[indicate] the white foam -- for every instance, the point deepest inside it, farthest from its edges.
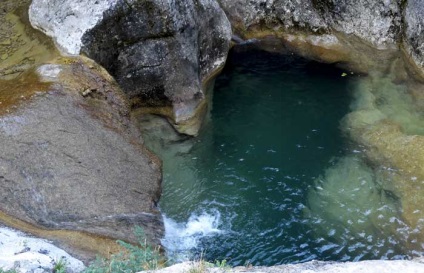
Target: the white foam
(182, 239)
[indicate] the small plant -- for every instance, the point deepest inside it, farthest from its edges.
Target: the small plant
(132, 259)
(60, 266)
(222, 264)
(200, 266)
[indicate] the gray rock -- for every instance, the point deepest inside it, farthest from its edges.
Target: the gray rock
(67, 21)
(161, 52)
(377, 22)
(70, 162)
(414, 31)
(288, 15)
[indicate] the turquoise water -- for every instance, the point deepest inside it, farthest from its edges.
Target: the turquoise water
(250, 188)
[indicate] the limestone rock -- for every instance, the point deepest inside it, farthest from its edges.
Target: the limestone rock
(414, 266)
(287, 15)
(67, 21)
(414, 31)
(77, 163)
(160, 52)
(377, 22)
(23, 254)
(164, 64)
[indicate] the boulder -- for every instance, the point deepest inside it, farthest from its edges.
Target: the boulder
(160, 52)
(413, 39)
(72, 159)
(67, 21)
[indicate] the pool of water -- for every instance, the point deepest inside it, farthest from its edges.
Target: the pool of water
(272, 179)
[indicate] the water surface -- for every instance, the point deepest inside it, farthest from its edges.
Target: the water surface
(272, 179)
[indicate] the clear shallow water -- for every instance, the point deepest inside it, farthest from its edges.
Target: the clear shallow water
(271, 179)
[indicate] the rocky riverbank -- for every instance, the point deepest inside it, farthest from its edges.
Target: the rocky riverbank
(27, 254)
(73, 165)
(415, 266)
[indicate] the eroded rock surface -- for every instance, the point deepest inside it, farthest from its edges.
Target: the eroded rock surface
(377, 22)
(380, 24)
(160, 52)
(72, 159)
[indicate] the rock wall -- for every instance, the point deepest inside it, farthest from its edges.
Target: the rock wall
(380, 24)
(160, 52)
(377, 22)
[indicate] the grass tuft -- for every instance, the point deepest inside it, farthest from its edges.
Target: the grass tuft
(134, 258)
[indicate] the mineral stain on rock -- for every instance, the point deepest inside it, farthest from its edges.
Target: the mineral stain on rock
(21, 49)
(19, 90)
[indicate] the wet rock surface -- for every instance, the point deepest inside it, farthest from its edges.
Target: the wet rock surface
(20, 46)
(387, 122)
(72, 159)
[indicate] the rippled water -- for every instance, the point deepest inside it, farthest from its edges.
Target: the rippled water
(271, 179)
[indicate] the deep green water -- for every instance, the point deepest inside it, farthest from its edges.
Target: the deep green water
(249, 188)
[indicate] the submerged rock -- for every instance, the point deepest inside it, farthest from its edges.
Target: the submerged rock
(76, 163)
(160, 52)
(388, 123)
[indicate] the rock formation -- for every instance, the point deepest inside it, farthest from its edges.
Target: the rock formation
(379, 24)
(72, 160)
(160, 52)
(413, 39)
